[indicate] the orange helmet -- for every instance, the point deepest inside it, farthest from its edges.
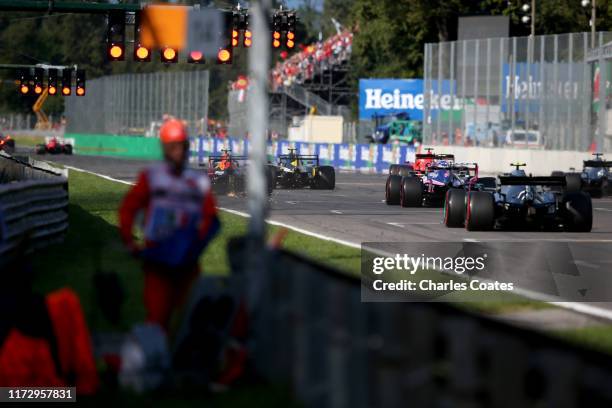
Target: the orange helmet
(173, 131)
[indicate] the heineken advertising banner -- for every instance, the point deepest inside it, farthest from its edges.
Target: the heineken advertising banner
(385, 97)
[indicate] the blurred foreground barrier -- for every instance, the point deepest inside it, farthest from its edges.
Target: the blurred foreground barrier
(33, 205)
(313, 331)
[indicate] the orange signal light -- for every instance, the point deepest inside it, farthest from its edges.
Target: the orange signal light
(290, 35)
(248, 42)
(248, 34)
(24, 89)
(52, 90)
(142, 52)
(115, 51)
(37, 89)
(276, 35)
(234, 42)
(276, 43)
(223, 55)
(169, 53)
(66, 91)
(235, 33)
(80, 91)
(290, 44)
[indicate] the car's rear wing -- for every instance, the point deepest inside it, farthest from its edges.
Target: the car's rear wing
(597, 163)
(306, 157)
(424, 156)
(218, 158)
(445, 157)
(532, 181)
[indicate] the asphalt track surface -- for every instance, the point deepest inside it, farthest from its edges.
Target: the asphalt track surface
(355, 212)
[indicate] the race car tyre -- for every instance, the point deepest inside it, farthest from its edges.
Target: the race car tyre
(603, 190)
(392, 190)
(405, 171)
(270, 178)
(573, 183)
(394, 169)
(325, 178)
(238, 184)
(557, 173)
(488, 183)
(454, 208)
(480, 211)
(578, 212)
(68, 149)
(411, 192)
(41, 149)
(8, 149)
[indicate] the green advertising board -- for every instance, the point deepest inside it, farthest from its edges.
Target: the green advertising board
(117, 146)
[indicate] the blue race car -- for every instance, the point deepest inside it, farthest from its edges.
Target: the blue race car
(596, 177)
(521, 202)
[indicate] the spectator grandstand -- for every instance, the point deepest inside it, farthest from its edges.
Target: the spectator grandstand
(312, 59)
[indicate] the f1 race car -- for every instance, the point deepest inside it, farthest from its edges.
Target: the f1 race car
(228, 172)
(421, 161)
(520, 201)
(7, 144)
(54, 146)
(431, 187)
(595, 177)
(299, 171)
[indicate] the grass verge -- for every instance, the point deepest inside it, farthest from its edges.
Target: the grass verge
(598, 338)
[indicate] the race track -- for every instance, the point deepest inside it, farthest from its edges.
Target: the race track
(355, 212)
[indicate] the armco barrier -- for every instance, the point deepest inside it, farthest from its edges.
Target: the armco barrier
(313, 332)
(33, 205)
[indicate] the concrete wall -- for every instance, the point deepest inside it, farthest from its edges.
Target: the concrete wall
(318, 129)
(497, 160)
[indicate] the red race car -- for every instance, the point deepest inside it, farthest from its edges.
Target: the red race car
(54, 146)
(420, 164)
(7, 144)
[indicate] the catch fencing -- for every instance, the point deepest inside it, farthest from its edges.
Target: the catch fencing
(313, 331)
(33, 206)
(136, 104)
(529, 92)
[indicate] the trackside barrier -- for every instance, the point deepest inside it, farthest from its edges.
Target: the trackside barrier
(372, 158)
(312, 330)
(33, 205)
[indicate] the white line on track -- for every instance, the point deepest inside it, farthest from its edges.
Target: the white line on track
(337, 211)
(100, 175)
(577, 307)
(405, 224)
(602, 209)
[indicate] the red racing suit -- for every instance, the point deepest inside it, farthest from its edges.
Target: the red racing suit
(180, 218)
